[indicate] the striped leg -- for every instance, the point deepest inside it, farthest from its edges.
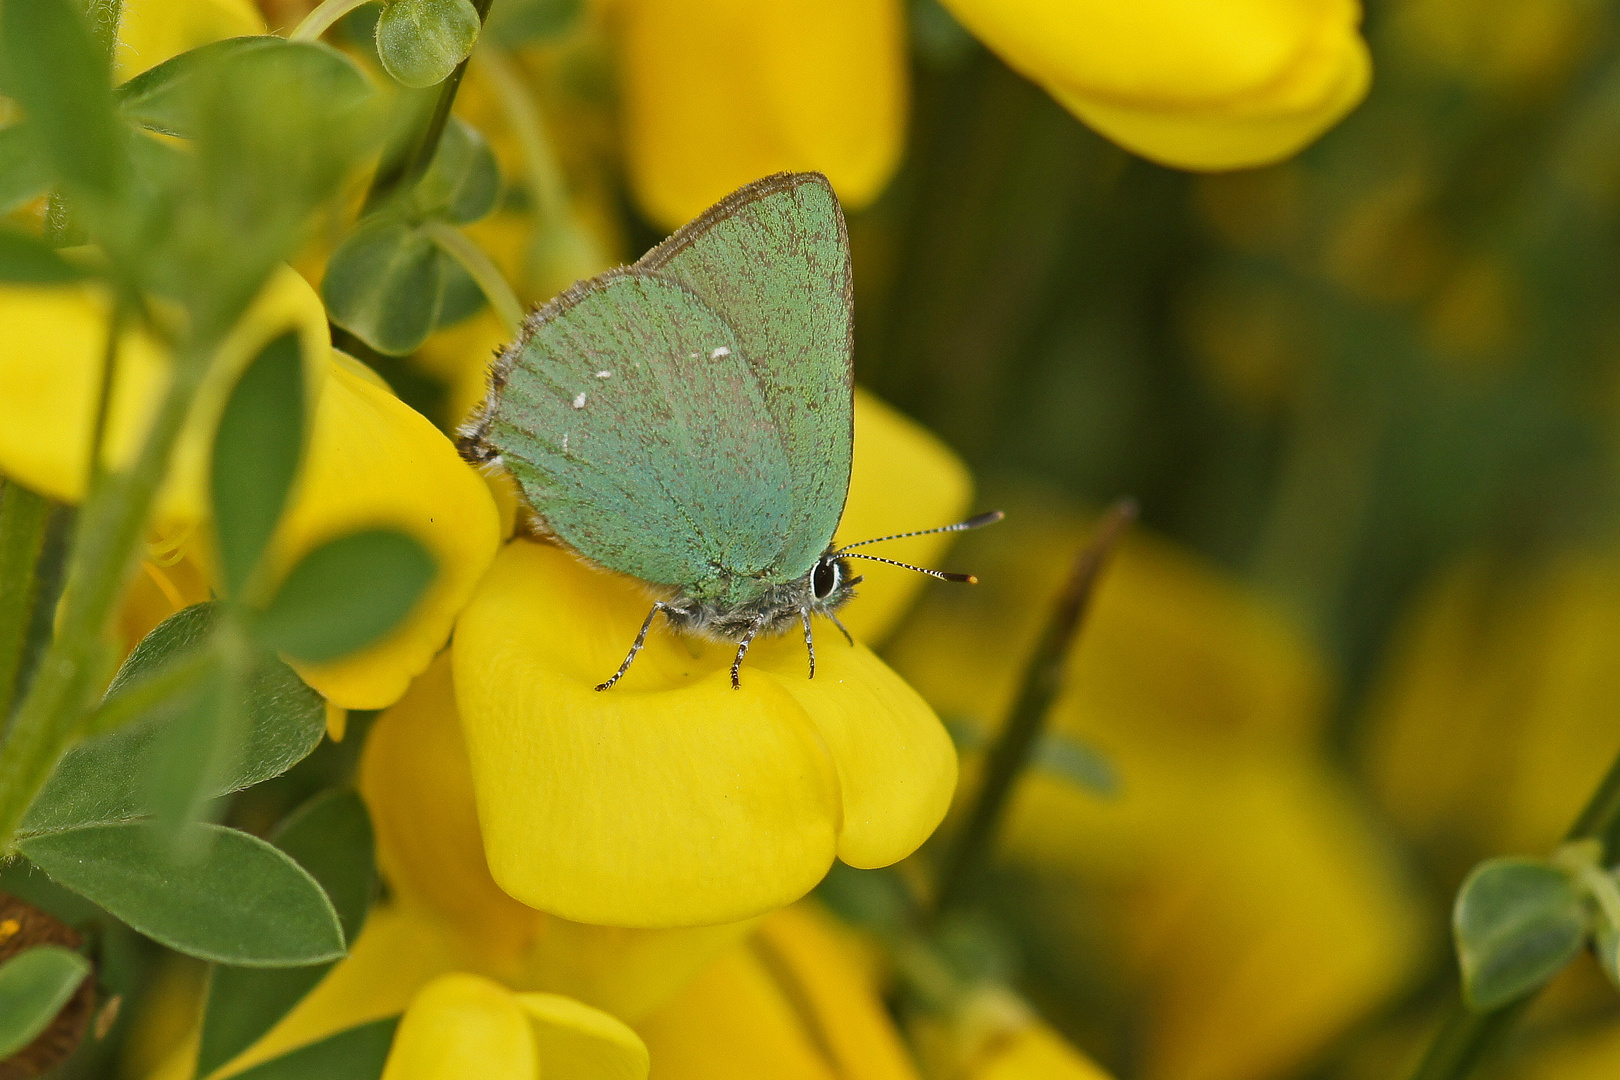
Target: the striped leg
(742, 648)
(809, 642)
(641, 639)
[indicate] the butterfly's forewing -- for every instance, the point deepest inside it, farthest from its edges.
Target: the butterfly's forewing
(773, 260)
(640, 434)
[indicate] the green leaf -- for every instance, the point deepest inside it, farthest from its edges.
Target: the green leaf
(24, 172)
(99, 781)
(277, 127)
(1517, 923)
(463, 182)
(240, 902)
(165, 98)
(346, 594)
(256, 454)
(330, 836)
(60, 77)
(25, 260)
(34, 985)
(514, 23)
(384, 284)
(358, 1053)
(420, 42)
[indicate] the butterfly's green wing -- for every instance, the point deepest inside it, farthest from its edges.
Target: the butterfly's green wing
(639, 432)
(773, 260)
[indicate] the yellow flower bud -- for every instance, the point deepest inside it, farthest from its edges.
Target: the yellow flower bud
(721, 92)
(1197, 84)
(674, 799)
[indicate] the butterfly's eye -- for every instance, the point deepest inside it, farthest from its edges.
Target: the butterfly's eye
(825, 579)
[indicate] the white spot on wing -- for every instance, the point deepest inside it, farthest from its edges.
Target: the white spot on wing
(579, 400)
(565, 444)
(604, 374)
(718, 353)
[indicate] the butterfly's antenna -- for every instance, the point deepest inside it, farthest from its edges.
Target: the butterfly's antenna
(943, 575)
(962, 526)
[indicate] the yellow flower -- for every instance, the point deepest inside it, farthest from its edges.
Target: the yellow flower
(721, 92)
(462, 1025)
(674, 799)
(1250, 904)
(1198, 84)
(794, 1002)
(151, 31)
(418, 785)
(369, 461)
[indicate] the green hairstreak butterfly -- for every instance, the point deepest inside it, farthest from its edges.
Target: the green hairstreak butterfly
(688, 420)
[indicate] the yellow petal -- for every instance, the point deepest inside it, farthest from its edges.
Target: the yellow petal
(52, 351)
(671, 800)
(416, 781)
(151, 31)
(791, 1004)
(577, 1040)
(722, 92)
(902, 479)
(459, 1026)
(1189, 83)
(374, 462)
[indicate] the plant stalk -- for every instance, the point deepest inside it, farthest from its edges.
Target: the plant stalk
(23, 519)
(1013, 748)
(1466, 1037)
(106, 541)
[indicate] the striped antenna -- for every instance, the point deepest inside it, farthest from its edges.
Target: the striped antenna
(962, 526)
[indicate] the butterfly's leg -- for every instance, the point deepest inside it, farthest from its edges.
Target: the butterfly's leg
(809, 642)
(742, 648)
(641, 639)
(841, 626)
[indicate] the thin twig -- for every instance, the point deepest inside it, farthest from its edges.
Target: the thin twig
(1011, 752)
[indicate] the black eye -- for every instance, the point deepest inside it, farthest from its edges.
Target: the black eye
(825, 579)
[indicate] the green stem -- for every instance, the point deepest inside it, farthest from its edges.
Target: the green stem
(483, 270)
(1013, 748)
(105, 546)
(402, 170)
(23, 517)
(321, 19)
(1465, 1037)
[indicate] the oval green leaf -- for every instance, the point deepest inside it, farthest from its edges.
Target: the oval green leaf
(384, 285)
(256, 452)
(346, 594)
(420, 42)
(463, 181)
(241, 901)
(330, 836)
(358, 1053)
(24, 172)
(1517, 923)
(99, 781)
(34, 985)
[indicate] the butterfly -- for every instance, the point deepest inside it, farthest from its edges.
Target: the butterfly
(689, 420)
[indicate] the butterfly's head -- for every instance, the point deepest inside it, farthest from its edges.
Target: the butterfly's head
(831, 582)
